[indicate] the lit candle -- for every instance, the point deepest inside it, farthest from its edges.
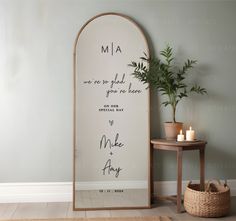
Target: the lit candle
(190, 134)
(180, 136)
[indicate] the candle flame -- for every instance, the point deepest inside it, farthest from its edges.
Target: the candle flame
(190, 128)
(181, 132)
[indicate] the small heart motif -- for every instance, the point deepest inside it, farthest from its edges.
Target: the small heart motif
(111, 122)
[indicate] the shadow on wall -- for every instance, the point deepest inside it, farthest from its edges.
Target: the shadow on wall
(209, 117)
(219, 165)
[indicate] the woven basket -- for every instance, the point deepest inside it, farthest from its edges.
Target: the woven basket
(213, 202)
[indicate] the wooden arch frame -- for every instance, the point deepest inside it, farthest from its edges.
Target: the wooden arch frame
(75, 117)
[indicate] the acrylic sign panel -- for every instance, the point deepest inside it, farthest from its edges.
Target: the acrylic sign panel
(111, 137)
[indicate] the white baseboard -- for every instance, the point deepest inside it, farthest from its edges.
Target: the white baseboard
(62, 191)
(35, 192)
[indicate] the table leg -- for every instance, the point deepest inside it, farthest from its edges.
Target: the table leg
(202, 169)
(179, 180)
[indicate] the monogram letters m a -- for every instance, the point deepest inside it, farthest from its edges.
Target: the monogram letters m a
(111, 49)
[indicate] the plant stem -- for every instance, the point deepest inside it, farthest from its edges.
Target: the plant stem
(174, 110)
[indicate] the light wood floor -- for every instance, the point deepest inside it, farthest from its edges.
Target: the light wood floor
(63, 210)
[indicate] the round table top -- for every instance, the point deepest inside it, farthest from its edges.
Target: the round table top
(178, 143)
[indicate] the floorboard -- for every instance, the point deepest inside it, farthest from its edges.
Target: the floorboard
(13, 211)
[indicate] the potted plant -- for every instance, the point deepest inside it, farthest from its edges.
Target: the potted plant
(168, 79)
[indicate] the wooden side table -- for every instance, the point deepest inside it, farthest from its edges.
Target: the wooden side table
(179, 147)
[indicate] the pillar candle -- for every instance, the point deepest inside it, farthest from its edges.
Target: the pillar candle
(190, 134)
(180, 136)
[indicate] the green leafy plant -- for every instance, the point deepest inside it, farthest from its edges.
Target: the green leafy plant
(166, 77)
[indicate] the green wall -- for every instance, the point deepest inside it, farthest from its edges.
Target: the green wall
(203, 31)
(36, 44)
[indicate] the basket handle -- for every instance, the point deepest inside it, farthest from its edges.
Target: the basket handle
(225, 184)
(189, 182)
(210, 182)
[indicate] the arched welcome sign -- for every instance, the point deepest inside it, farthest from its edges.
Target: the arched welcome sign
(111, 116)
